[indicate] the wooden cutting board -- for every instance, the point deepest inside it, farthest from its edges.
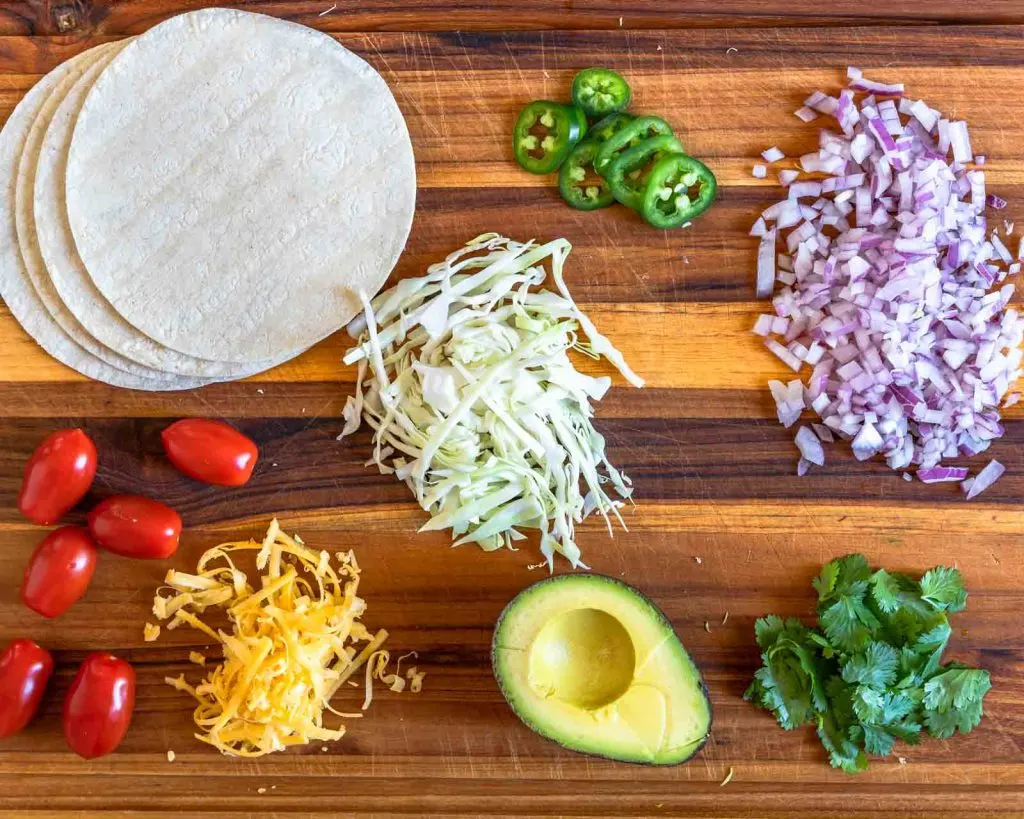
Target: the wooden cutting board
(722, 526)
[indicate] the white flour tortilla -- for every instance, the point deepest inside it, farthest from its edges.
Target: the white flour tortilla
(28, 241)
(15, 286)
(234, 180)
(64, 267)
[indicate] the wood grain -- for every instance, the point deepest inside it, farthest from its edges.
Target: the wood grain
(722, 524)
(78, 16)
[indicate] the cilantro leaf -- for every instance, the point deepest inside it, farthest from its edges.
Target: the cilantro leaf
(874, 667)
(848, 623)
(868, 704)
(840, 577)
(895, 706)
(835, 729)
(956, 687)
(943, 587)
(965, 719)
(885, 588)
(877, 741)
(906, 731)
(883, 718)
(881, 708)
(937, 637)
(824, 646)
(767, 630)
(788, 683)
(842, 752)
(931, 644)
(953, 699)
(872, 672)
(777, 689)
(825, 583)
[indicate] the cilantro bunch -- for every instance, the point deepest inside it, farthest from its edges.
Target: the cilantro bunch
(872, 673)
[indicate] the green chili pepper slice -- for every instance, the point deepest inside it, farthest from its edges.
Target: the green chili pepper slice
(600, 91)
(680, 188)
(581, 119)
(631, 134)
(545, 134)
(578, 182)
(628, 175)
(605, 129)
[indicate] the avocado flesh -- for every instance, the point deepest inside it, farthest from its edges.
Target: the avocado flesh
(592, 664)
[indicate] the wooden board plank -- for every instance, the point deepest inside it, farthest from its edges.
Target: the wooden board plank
(508, 15)
(714, 472)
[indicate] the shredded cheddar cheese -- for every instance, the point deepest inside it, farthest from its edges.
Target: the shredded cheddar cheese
(292, 643)
(415, 678)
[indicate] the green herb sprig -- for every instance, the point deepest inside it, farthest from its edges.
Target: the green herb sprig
(872, 672)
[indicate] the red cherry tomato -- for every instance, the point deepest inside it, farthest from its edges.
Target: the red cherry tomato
(134, 526)
(25, 669)
(57, 476)
(210, 451)
(59, 571)
(98, 708)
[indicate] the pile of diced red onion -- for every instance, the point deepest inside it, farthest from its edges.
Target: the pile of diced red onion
(886, 276)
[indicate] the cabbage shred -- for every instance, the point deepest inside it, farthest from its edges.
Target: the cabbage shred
(464, 376)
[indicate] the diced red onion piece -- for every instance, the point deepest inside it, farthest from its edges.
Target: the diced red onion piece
(809, 445)
(960, 142)
(943, 128)
(766, 265)
(925, 115)
(942, 474)
(992, 472)
(773, 154)
(784, 355)
(911, 353)
(1001, 249)
(805, 114)
(789, 401)
(823, 432)
(881, 88)
(759, 171)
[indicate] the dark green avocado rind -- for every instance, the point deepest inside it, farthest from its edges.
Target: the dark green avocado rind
(688, 751)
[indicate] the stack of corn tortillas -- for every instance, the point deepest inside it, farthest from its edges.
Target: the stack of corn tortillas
(201, 202)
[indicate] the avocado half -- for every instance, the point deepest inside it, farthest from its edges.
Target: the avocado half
(591, 663)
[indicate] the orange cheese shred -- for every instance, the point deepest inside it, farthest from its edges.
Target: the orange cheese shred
(292, 643)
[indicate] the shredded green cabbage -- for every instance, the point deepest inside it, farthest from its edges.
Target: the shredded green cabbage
(465, 379)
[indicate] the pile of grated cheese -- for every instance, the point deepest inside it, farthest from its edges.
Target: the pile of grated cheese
(292, 643)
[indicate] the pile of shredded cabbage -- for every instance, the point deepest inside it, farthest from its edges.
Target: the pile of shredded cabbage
(465, 377)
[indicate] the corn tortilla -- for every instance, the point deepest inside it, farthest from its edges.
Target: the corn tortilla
(16, 287)
(64, 267)
(235, 180)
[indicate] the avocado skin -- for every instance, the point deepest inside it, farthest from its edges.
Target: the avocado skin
(658, 615)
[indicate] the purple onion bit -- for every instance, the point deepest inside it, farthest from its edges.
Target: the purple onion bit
(880, 277)
(942, 474)
(992, 472)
